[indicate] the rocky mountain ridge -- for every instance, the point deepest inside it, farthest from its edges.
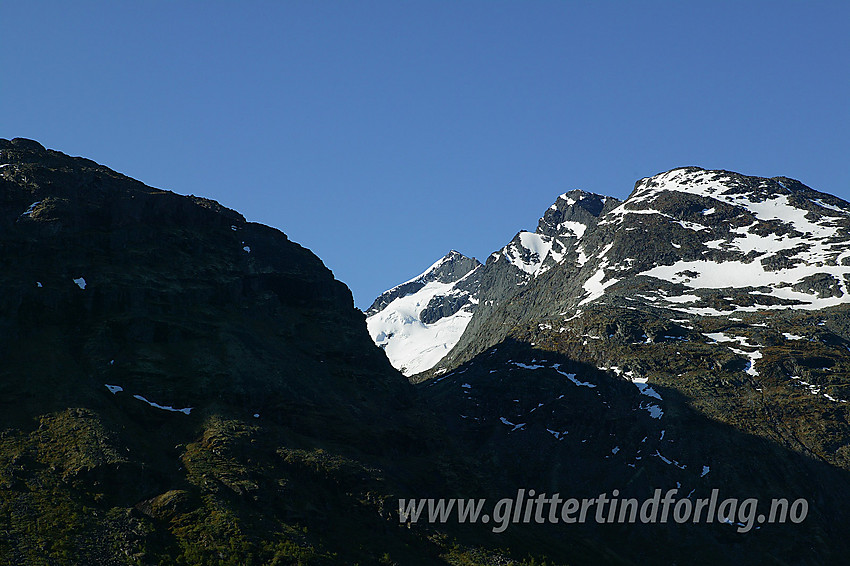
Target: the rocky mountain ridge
(712, 241)
(696, 335)
(404, 333)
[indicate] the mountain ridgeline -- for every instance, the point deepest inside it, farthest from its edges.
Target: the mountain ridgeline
(403, 320)
(709, 242)
(693, 336)
(182, 386)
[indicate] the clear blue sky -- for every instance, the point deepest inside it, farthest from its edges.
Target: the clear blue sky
(383, 134)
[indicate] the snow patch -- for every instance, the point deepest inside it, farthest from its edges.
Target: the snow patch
(576, 228)
(30, 209)
(572, 377)
(527, 366)
(669, 461)
(185, 411)
(509, 423)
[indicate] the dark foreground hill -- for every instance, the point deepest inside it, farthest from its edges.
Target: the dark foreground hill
(182, 386)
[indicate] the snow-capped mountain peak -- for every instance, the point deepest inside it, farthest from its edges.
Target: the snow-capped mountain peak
(572, 213)
(777, 242)
(419, 321)
(448, 269)
(694, 242)
(557, 236)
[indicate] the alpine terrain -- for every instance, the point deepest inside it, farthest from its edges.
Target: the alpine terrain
(695, 336)
(182, 386)
(419, 321)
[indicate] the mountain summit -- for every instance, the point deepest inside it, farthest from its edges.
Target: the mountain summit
(417, 322)
(689, 240)
(430, 321)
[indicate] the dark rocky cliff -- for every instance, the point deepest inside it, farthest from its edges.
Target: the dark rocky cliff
(182, 386)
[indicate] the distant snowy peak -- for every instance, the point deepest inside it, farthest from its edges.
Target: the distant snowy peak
(421, 320)
(721, 238)
(418, 322)
(573, 212)
(739, 190)
(448, 269)
(690, 241)
(557, 236)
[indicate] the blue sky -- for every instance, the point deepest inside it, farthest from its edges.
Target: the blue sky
(383, 134)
